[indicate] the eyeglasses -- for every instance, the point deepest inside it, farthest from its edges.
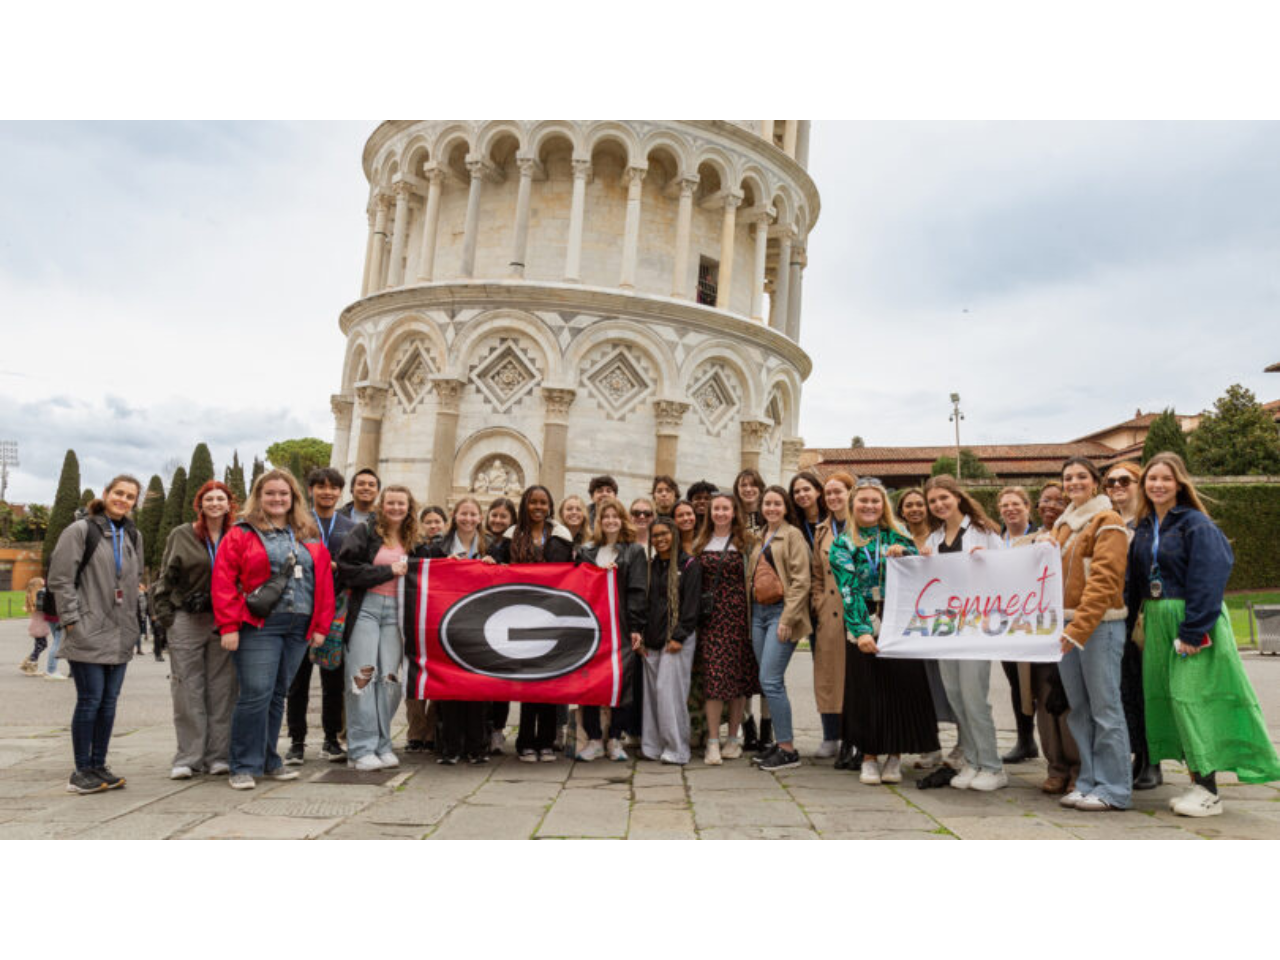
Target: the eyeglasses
(641, 514)
(1124, 481)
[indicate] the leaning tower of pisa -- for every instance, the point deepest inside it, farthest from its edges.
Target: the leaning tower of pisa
(547, 300)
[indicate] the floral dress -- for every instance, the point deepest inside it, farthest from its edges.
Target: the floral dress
(887, 705)
(728, 664)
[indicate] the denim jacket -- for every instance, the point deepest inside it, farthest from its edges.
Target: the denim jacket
(1195, 563)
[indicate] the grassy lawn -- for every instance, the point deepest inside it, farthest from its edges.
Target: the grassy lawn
(11, 604)
(1240, 616)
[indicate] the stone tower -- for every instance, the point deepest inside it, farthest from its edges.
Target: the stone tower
(547, 300)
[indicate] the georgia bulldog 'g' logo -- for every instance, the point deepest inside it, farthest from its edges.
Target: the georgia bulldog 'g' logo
(520, 632)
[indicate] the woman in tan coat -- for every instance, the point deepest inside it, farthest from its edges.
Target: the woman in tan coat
(828, 618)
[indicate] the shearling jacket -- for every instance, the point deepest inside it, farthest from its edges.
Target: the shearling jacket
(1095, 551)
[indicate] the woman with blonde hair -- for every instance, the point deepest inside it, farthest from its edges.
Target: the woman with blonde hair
(272, 596)
(372, 560)
(1200, 707)
(573, 516)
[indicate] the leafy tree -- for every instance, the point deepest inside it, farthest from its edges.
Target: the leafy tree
(150, 516)
(6, 521)
(198, 474)
(1165, 435)
(1238, 438)
(172, 514)
(259, 468)
(31, 527)
(971, 467)
(65, 502)
(234, 478)
(308, 451)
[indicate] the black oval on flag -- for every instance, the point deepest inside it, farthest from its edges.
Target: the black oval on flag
(520, 631)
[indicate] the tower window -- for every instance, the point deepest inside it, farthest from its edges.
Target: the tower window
(708, 277)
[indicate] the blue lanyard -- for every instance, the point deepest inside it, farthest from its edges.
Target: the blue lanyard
(1155, 547)
(874, 562)
(211, 548)
(837, 527)
(325, 534)
(117, 545)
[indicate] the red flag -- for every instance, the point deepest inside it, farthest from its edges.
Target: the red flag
(532, 633)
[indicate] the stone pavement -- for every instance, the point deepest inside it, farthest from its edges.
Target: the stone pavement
(506, 799)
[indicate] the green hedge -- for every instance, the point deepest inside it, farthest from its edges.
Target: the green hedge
(1248, 513)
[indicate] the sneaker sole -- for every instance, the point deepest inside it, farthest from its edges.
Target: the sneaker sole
(82, 792)
(1197, 814)
(781, 766)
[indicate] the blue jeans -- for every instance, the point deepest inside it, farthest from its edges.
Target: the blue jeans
(55, 641)
(97, 690)
(266, 661)
(773, 658)
(1091, 678)
(375, 643)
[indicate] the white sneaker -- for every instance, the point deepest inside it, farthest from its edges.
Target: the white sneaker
(669, 757)
(988, 780)
(594, 750)
(712, 756)
(283, 773)
(219, 767)
(827, 749)
(365, 763)
(56, 676)
(870, 772)
(547, 756)
(964, 779)
(891, 770)
(1198, 802)
(616, 751)
(241, 781)
(732, 749)
(1095, 803)
(528, 756)
(181, 773)
(389, 760)
(1071, 799)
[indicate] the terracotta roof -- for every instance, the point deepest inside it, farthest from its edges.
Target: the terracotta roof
(1141, 420)
(996, 452)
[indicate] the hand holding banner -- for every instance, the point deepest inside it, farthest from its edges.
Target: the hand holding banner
(987, 605)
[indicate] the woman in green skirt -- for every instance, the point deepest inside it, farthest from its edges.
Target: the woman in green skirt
(1199, 704)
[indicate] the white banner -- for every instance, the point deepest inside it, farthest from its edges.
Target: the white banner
(988, 605)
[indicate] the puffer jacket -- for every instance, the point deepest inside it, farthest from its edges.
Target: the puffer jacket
(100, 629)
(1095, 552)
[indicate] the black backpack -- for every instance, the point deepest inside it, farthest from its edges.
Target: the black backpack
(92, 537)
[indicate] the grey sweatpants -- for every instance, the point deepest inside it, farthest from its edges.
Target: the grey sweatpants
(967, 683)
(202, 681)
(666, 703)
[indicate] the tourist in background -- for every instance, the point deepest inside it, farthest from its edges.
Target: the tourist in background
(778, 572)
(44, 631)
(1200, 708)
(202, 675)
(274, 546)
(887, 709)
(828, 619)
(962, 526)
(1094, 548)
(1014, 504)
(364, 493)
(93, 575)
(143, 607)
(668, 644)
(613, 546)
(724, 656)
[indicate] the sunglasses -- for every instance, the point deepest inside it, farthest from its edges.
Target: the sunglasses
(641, 514)
(1124, 481)
(869, 482)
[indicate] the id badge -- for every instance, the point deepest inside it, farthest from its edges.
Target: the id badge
(1157, 588)
(119, 597)
(875, 594)
(297, 572)
(875, 625)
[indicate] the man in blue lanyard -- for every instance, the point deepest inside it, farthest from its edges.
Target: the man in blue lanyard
(325, 487)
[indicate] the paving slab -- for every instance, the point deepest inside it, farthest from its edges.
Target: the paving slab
(827, 821)
(661, 822)
(144, 826)
(246, 826)
(363, 830)
(672, 794)
(407, 809)
(41, 831)
(467, 822)
(1003, 828)
(579, 813)
(939, 833)
(710, 814)
(757, 833)
(516, 793)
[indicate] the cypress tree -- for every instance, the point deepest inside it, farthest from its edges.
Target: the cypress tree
(234, 478)
(259, 468)
(87, 496)
(150, 513)
(65, 502)
(1165, 434)
(198, 474)
(172, 515)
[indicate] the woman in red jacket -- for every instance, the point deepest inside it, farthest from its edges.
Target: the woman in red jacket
(274, 545)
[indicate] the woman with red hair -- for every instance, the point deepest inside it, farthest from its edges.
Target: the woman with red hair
(202, 675)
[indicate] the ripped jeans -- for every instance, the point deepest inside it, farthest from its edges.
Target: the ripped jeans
(374, 682)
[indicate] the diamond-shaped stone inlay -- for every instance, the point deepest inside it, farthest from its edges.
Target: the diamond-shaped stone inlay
(412, 378)
(714, 398)
(505, 376)
(618, 383)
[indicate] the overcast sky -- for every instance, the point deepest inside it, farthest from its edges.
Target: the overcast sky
(163, 283)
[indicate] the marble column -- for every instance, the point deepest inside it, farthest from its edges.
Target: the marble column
(789, 136)
(399, 231)
(793, 292)
(444, 440)
(520, 236)
(802, 144)
(782, 278)
(791, 449)
(669, 414)
(766, 130)
(634, 179)
(753, 435)
(342, 407)
(555, 438)
(480, 170)
(368, 256)
(577, 211)
(372, 398)
(762, 220)
(728, 228)
(383, 205)
(430, 221)
(681, 284)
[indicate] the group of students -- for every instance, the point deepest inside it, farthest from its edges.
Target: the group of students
(717, 591)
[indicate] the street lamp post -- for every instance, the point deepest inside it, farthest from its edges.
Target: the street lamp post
(956, 417)
(8, 458)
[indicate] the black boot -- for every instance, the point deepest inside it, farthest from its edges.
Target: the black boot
(1025, 748)
(845, 757)
(750, 739)
(766, 734)
(1146, 775)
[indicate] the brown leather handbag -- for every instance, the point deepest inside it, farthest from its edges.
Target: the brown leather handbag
(766, 585)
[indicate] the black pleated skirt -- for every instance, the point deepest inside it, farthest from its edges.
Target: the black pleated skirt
(887, 705)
